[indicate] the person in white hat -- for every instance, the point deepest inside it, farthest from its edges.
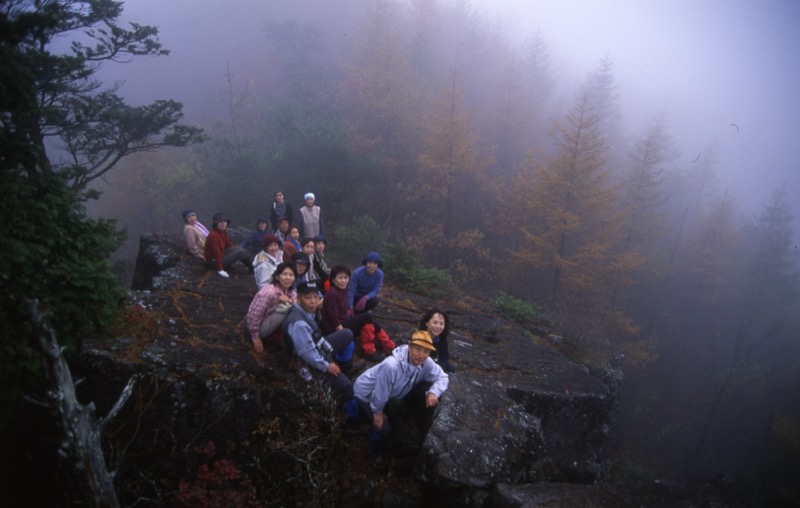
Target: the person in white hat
(311, 218)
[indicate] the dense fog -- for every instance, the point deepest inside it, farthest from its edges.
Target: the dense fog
(629, 167)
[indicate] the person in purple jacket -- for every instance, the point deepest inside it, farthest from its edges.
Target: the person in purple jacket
(335, 312)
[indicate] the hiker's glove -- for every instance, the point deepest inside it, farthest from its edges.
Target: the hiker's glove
(223, 273)
(360, 304)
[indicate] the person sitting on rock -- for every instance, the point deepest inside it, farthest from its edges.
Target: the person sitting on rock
(320, 263)
(307, 248)
(220, 253)
(366, 283)
(266, 261)
(375, 342)
(270, 305)
(254, 242)
(194, 233)
(301, 264)
(283, 229)
(407, 380)
(291, 243)
(437, 323)
(335, 314)
(328, 357)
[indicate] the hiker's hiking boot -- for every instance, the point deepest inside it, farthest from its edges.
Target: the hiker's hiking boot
(304, 374)
(352, 366)
(356, 365)
(380, 463)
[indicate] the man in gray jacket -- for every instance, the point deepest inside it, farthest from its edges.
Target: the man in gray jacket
(387, 384)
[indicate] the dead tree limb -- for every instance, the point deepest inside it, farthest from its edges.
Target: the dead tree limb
(80, 439)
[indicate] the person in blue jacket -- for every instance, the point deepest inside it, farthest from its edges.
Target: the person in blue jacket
(329, 357)
(254, 243)
(366, 283)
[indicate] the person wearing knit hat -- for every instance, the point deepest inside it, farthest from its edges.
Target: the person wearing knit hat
(408, 380)
(366, 284)
(311, 217)
(302, 266)
(194, 233)
(220, 253)
(266, 261)
(253, 244)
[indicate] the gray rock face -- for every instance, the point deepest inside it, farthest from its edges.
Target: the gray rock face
(520, 413)
(516, 411)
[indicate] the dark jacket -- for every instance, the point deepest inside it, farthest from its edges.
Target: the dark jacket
(274, 216)
(334, 309)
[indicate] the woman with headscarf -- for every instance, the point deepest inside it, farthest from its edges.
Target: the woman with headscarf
(311, 217)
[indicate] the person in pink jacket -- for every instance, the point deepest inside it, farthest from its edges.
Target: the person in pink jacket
(271, 304)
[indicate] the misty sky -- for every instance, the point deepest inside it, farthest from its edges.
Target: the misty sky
(708, 64)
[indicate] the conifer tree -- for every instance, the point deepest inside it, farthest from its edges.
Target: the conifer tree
(70, 111)
(450, 170)
(383, 103)
(565, 210)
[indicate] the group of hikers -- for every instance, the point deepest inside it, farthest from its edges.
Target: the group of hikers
(315, 312)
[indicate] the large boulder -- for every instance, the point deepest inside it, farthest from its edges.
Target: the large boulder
(516, 411)
(519, 412)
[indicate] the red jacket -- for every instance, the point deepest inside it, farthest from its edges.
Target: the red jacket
(217, 243)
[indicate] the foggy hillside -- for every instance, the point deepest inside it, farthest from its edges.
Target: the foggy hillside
(442, 132)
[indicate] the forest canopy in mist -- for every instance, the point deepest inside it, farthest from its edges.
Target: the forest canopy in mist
(423, 127)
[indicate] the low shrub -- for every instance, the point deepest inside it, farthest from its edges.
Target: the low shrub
(354, 240)
(515, 309)
(403, 265)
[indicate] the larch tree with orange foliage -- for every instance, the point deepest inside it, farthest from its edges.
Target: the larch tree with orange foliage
(450, 172)
(567, 223)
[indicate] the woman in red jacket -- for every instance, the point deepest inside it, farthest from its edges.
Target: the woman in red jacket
(220, 253)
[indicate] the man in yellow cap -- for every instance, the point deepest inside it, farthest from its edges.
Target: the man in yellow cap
(382, 391)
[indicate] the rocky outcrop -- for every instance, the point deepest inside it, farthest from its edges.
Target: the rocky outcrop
(521, 413)
(517, 411)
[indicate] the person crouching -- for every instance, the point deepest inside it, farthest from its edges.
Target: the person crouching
(384, 391)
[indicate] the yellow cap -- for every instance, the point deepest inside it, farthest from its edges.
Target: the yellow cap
(423, 338)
